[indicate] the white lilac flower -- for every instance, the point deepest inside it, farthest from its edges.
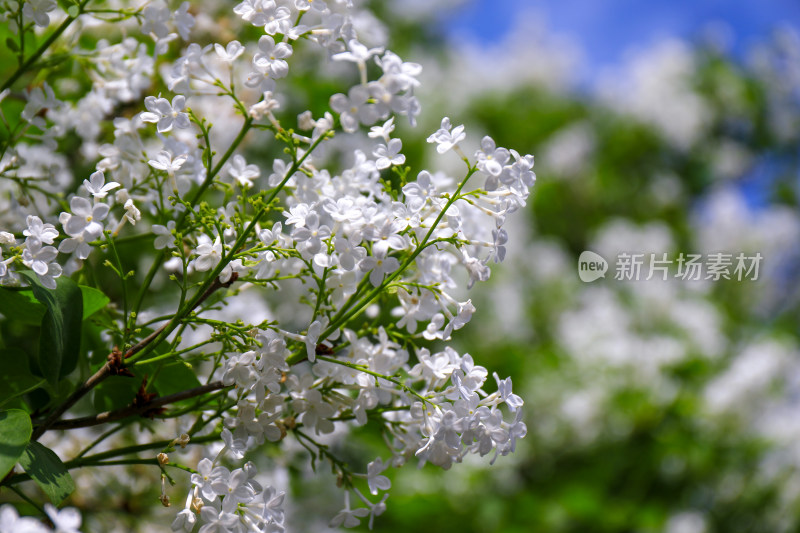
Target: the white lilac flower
(310, 237)
(78, 245)
(39, 98)
(296, 216)
(42, 261)
(311, 339)
(418, 192)
(386, 237)
(491, 159)
(268, 104)
(11, 522)
(207, 473)
(4, 265)
(354, 108)
(376, 509)
(358, 53)
(164, 237)
(184, 521)
(473, 375)
(499, 239)
(230, 52)
(316, 411)
(513, 401)
(404, 217)
(96, 185)
(154, 19)
(271, 58)
(164, 114)
(405, 73)
(233, 444)
(316, 5)
(265, 13)
(165, 161)
(208, 254)
(132, 213)
(85, 218)
(375, 481)
(416, 306)
(37, 11)
(348, 517)
(243, 173)
(445, 138)
(272, 505)
(184, 21)
(383, 131)
(216, 521)
(278, 18)
(350, 253)
(252, 11)
(240, 369)
(389, 155)
(477, 269)
(45, 233)
(463, 316)
(234, 488)
(388, 98)
(342, 209)
(378, 265)
(66, 520)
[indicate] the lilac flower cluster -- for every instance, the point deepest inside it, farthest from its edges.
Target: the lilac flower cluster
(347, 239)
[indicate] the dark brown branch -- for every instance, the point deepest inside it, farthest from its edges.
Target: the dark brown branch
(137, 408)
(116, 366)
(89, 384)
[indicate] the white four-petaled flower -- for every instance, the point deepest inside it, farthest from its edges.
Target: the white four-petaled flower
(166, 115)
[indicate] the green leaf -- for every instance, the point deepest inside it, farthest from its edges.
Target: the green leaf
(60, 340)
(16, 378)
(12, 44)
(93, 300)
(21, 306)
(169, 377)
(47, 470)
(174, 377)
(15, 432)
(115, 392)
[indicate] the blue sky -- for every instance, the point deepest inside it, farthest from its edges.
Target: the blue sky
(605, 29)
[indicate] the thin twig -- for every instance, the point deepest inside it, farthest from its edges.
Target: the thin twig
(115, 364)
(136, 409)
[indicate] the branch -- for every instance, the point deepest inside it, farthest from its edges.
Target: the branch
(43, 48)
(116, 363)
(97, 459)
(136, 408)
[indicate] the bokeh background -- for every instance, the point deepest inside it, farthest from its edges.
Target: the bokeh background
(658, 127)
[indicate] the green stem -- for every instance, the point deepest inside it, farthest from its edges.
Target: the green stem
(345, 315)
(98, 458)
(366, 370)
(30, 501)
(153, 461)
(228, 257)
(100, 439)
(248, 124)
(43, 48)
